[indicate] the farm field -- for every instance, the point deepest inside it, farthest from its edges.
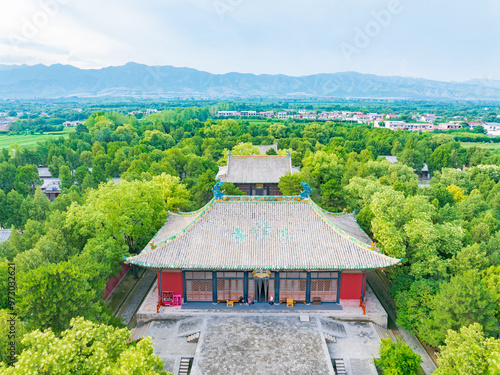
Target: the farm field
(30, 140)
(490, 146)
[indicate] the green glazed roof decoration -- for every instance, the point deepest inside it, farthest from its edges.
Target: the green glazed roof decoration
(218, 194)
(261, 229)
(285, 236)
(238, 236)
(306, 194)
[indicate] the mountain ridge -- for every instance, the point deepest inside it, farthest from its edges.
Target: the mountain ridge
(144, 81)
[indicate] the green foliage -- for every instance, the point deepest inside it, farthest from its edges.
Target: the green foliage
(290, 183)
(413, 304)
(468, 352)
(27, 179)
(333, 196)
(462, 301)
(50, 296)
(229, 189)
(12, 330)
(86, 348)
(129, 212)
(441, 231)
(397, 358)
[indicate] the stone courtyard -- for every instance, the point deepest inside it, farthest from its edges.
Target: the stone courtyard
(259, 344)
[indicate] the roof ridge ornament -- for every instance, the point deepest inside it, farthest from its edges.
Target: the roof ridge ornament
(306, 194)
(218, 194)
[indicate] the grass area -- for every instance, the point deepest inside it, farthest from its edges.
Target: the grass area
(490, 146)
(30, 140)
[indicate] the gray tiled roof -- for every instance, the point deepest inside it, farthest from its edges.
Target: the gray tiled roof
(349, 225)
(255, 168)
(249, 232)
(394, 159)
(44, 172)
(4, 234)
(264, 148)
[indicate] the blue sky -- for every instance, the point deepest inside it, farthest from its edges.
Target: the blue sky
(437, 39)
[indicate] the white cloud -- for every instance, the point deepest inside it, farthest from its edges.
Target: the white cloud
(450, 40)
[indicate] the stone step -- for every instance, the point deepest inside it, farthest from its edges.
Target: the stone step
(184, 367)
(329, 338)
(340, 367)
(193, 337)
(384, 333)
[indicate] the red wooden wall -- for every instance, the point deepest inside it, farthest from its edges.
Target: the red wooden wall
(113, 282)
(170, 281)
(351, 285)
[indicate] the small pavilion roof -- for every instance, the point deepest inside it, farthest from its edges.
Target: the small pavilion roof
(256, 232)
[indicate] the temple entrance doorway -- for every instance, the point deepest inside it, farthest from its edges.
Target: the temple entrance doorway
(261, 290)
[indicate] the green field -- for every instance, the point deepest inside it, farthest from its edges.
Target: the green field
(490, 146)
(30, 140)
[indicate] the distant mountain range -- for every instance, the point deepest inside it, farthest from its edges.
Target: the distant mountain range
(143, 81)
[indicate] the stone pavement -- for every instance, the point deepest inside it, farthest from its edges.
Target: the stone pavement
(356, 343)
(261, 345)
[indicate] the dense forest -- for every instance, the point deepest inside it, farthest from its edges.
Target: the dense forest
(447, 233)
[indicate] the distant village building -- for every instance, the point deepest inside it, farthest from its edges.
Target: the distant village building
(267, 114)
(492, 128)
(248, 113)
(428, 117)
(256, 174)
(401, 125)
(261, 249)
(227, 113)
(448, 126)
(73, 123)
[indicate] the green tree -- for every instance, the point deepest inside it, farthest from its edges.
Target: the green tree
(462, 301)
(86, 158)
(129, 212)
(66, 177)
(202, 191)
(412, 158)
(413, 304)
(8, 320)
(88, 183)
(7, 176)
(50, 296)
(86, 348)
(245, 149)
(290, 183)
(229, 189)
(397, 358)
(332, 196)
(27, 179)
(80, 173)
(468, 352)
